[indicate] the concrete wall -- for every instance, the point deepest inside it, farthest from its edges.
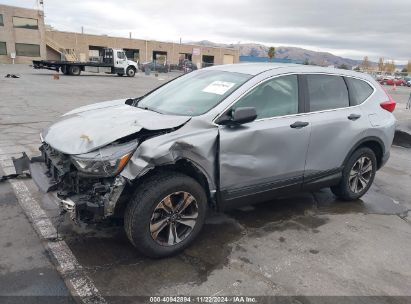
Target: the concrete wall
(12, 35)
(81, 42)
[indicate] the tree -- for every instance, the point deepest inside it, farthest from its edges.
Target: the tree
(404, 70)
(381, 65)
(409, 66)
(343, 66)
(390, 67)
(365, 65)
(271, 53)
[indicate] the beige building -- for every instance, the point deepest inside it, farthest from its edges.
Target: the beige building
(23, 36)
(86, 47)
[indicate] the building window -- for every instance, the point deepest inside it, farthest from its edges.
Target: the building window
(3, 49)
(29, 50)
(1, 20)
(27, 23)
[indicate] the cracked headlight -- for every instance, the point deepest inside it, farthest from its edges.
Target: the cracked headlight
(107, 161)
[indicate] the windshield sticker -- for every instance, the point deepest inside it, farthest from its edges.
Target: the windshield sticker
(218, 87)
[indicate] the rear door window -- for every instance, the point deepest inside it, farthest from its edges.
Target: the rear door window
(359, 90)
(327, 92)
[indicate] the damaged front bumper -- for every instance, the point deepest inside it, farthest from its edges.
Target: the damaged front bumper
(84, 197)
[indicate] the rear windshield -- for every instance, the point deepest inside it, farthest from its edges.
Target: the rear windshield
(193, 94)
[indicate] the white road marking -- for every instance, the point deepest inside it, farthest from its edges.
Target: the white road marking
(77, 281)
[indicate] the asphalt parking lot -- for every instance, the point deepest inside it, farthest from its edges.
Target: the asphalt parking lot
(306, 245)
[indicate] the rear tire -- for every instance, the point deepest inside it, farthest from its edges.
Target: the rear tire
(65, 70)
(74, 70)
(357, 176)
(131, 72)
(153, 221)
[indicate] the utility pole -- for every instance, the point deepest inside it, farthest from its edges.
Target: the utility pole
(40, 5)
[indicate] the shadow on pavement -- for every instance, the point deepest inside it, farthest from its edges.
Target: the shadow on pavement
(107, 255)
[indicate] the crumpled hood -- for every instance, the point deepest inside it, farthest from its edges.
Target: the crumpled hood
(90, 127)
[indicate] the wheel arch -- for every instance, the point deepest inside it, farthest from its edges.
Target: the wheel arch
(131, 67)
(372, 142)
(184, 166)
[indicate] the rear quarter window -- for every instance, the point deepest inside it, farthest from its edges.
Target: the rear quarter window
(359, 90)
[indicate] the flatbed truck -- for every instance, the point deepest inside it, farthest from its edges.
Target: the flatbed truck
(112, 61)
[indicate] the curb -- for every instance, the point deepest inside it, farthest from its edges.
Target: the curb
(402, 139)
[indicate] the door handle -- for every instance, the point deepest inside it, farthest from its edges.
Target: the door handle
(299, 124)
(354, 116)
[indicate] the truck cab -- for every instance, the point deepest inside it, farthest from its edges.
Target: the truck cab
(121, 65)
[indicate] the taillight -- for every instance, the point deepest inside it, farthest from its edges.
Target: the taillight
(388, 105)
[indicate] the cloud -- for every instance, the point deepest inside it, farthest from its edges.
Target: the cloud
(349, 28)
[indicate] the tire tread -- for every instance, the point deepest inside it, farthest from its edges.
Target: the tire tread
(146, 192)
(341, 190)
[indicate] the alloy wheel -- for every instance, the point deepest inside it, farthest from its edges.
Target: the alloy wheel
(360, 174)
(174, 218)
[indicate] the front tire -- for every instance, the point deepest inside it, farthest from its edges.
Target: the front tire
(357, 176)
(166, 214)
(131, 72)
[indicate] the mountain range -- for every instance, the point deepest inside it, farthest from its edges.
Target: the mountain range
(294, 53)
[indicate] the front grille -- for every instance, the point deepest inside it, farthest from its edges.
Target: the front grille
(57, 163)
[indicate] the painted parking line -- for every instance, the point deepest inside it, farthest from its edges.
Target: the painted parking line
(79, 284)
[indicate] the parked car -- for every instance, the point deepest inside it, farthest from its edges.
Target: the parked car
(392, 81)
(409, 83)
(187, 66)
(155, 67)
(216, 138)
(379, 77)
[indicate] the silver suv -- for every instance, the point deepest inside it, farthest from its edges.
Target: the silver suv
(216, 138)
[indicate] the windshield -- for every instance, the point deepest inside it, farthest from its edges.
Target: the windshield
(193, 94)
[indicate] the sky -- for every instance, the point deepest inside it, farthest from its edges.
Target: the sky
(348, 28)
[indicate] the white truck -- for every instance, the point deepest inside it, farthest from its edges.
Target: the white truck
(112, 61)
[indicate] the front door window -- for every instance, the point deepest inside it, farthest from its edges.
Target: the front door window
(276, 97)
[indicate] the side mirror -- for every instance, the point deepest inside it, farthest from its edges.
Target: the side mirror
(238, 116)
